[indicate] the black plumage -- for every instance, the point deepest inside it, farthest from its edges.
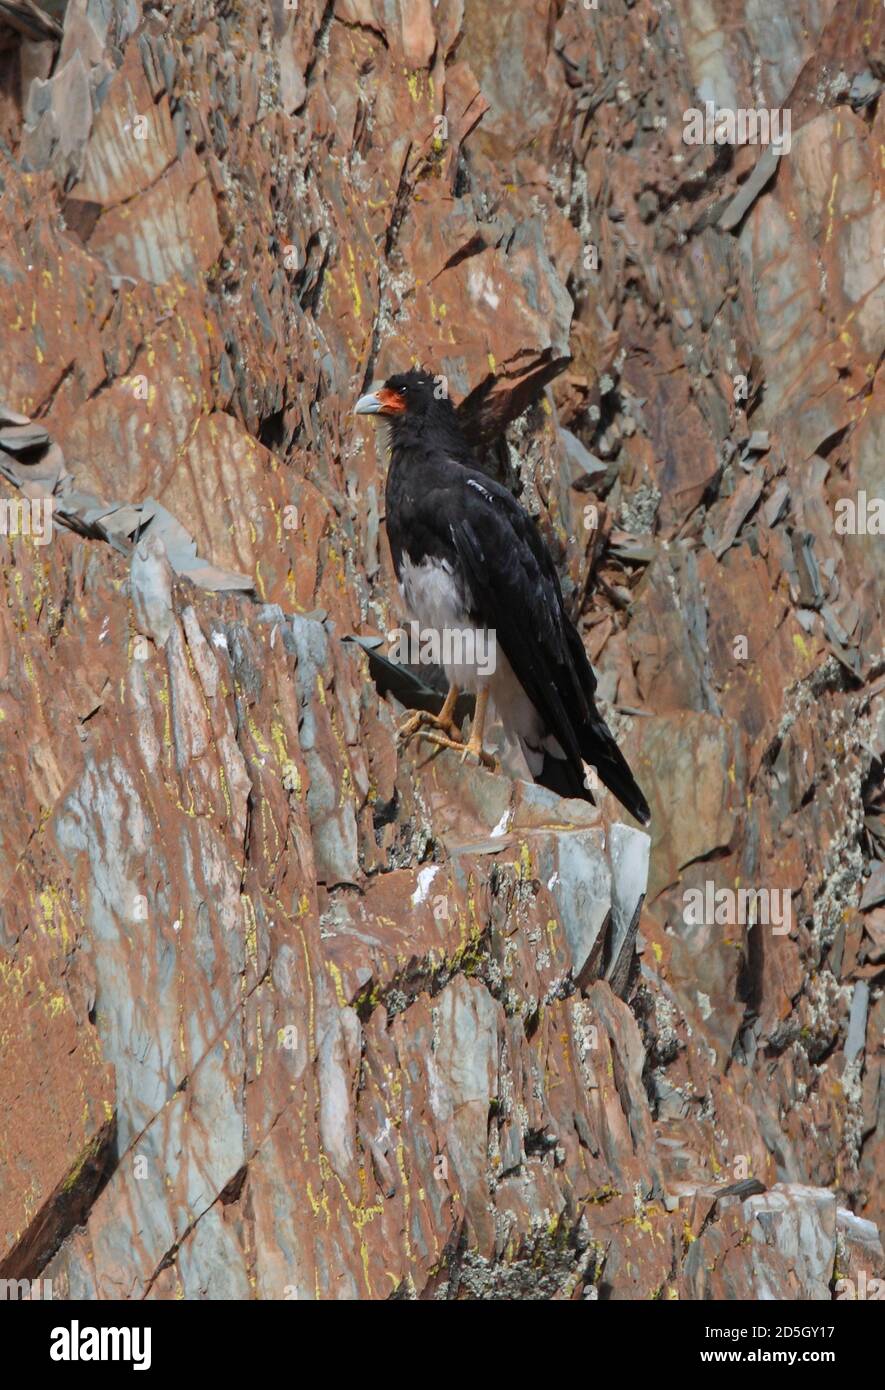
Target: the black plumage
(461, 543)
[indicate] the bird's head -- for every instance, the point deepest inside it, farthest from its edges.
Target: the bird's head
(408, 399)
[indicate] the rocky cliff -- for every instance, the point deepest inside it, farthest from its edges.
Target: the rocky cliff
(288, 1012)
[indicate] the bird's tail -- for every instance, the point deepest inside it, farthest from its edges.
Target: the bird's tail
(596, 743)
(561, 775)
(600, 750)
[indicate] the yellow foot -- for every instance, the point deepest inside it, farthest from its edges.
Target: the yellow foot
(420, 720)
(483, 759)
(467, 750)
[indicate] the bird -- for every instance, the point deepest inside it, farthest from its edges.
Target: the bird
(468, 556)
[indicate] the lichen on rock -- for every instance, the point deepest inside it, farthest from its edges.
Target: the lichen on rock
(289, 1012)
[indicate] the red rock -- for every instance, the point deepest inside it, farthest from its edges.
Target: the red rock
(292, 1012)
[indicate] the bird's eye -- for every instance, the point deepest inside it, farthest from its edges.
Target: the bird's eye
(403, 390)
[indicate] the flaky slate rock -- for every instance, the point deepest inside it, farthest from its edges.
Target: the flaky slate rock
(291, 1013)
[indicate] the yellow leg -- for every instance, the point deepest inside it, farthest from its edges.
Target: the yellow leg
(446, 716)
(474, 744)
(473, 748)
(420, 719)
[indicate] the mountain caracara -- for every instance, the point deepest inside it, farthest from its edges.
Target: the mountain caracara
(467, 556)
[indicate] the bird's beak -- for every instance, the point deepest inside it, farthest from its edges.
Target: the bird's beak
(381, 402)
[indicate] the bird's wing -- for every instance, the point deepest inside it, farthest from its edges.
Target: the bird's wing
(515, 590)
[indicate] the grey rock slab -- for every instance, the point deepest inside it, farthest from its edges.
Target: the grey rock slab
(800, 1223)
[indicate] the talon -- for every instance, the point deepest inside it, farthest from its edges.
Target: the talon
(411, 726)
(483, 758)
(447, 727)
(474, 747)
(467, 750)
(443, 741)
(444, 721)
(445, 732)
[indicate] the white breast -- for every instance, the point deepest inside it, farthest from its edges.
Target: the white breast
(432, 593)
(439, 604)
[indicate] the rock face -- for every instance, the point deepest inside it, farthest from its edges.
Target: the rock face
(287, 1013)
